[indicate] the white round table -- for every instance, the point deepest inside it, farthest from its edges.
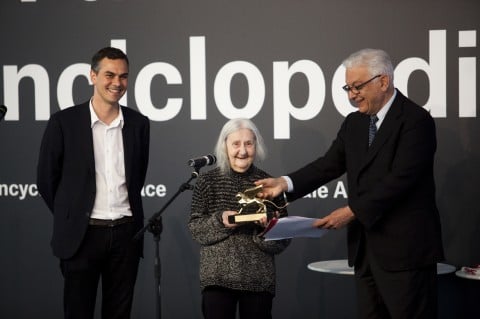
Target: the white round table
(341, 267)
(465, 275)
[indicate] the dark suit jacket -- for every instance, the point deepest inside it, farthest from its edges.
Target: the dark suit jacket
(391, 185)
(66, 172)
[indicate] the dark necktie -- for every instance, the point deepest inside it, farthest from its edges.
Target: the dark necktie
(372, 130)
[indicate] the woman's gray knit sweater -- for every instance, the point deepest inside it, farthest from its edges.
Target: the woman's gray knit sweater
(231, 258)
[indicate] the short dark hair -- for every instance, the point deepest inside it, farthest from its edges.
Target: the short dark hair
(107, 52)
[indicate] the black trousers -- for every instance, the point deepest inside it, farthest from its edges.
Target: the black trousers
(107, 253)
(221, 303)
(383, 294)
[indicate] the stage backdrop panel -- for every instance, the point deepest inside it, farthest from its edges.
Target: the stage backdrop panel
(194, 65)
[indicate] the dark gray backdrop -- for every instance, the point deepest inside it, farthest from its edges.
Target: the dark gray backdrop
(44, 38)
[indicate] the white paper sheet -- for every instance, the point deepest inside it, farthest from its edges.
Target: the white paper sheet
(292, 226)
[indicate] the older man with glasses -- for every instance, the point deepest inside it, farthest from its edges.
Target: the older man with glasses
(387, 150)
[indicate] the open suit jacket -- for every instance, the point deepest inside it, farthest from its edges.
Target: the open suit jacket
(66, 172)
(391, 186)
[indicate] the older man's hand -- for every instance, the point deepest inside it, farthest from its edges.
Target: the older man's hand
(337, 219)
(272, 187)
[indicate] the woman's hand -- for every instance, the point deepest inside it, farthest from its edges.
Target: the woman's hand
(225, 215)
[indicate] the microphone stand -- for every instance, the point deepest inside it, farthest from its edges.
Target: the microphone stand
(154, 226)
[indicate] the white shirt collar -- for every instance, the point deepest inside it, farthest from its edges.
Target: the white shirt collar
(94, 118)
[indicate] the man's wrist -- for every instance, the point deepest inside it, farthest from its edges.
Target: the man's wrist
(288, 185)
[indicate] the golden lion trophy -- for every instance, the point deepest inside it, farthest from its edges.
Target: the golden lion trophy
(252, 208)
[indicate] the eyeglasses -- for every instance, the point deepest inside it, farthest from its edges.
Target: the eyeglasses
(356, 88)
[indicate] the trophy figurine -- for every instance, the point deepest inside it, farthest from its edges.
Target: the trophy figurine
(252, 208)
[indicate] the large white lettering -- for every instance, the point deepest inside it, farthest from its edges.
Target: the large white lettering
(13, 76)
(142, 91)
(436, 71)
(282, 105)
(284, 72)
(256, 89)
(467, 76)
(198, 75)
(65, 83)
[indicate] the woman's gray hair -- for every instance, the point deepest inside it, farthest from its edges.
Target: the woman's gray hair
(376, 61)
(230, 127)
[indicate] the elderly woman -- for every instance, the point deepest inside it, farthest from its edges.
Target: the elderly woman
(236, 265)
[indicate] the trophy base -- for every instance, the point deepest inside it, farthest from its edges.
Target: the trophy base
(244, 218)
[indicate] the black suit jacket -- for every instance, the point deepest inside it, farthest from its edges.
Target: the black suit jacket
(66, 172)
(391, 185)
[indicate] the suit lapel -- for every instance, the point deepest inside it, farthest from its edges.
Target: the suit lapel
(84, 127)
(128, 144)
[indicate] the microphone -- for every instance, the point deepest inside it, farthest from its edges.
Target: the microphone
(3, 110)
(202, 161)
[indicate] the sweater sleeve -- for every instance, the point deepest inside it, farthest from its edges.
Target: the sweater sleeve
(272, 247)
(205, 225)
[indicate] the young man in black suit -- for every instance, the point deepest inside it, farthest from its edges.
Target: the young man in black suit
(92, 165)
(387, 150)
